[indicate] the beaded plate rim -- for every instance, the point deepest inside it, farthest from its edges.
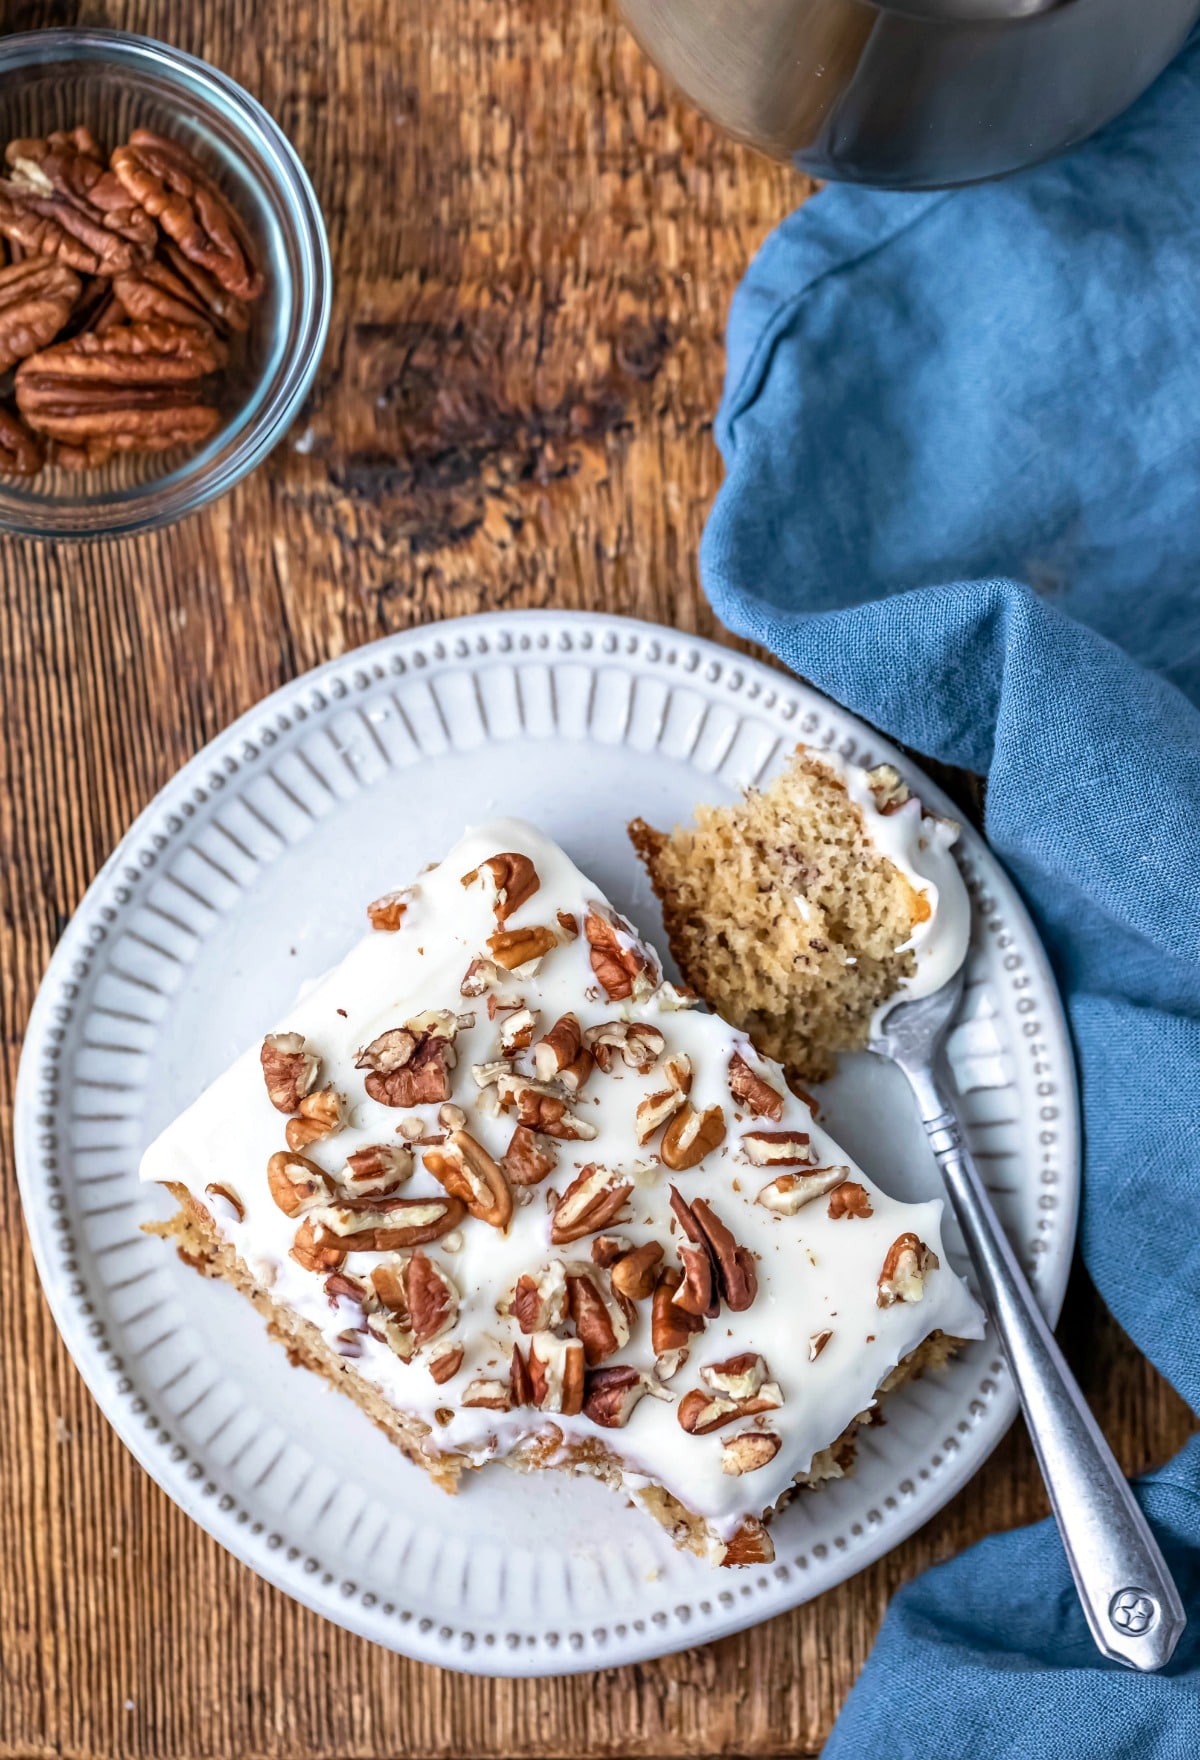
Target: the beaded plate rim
(455, 642)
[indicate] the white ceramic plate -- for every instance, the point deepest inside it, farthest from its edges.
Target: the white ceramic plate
(248, 875)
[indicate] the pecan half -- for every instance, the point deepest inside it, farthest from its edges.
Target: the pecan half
(621, 964)
(638, 1045)
(691, 1136)
(777, 1148)
(594, 1198)
(165, 180)
(297, 1184)
(153, 292)
(60, 200)
(635, 1275)
(556, 1371)
(671, 1327)
(539, 1304)
(751, 1091)
(410, 1065)
(36, 299)
(320, 1115)
(902, 1278)
(849, 1199)
(792, 1191)
(468, 1172)
(528, 1158)
(611, 1394)
(384, 1224)
(515, 879)
(21, 452)
(734, 1274)
(289, 1068)
(380, 1167)
(561, 1055)
(134, 388)
(433, 1298)
(226, 312)
(749, 1451)
(516, 948)
(600, 1320)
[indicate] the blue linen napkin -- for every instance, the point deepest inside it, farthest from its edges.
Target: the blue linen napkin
(999, 388)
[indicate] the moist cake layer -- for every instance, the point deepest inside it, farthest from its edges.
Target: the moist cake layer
(502, 1025)
(801, 908)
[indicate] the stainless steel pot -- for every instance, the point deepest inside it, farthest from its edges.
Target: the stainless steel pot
(911, 94)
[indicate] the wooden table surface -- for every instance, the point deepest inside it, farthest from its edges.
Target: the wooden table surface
(534, 249)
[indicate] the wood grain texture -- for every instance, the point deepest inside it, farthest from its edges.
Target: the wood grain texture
(534, 249)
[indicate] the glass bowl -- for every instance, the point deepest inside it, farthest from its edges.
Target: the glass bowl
(112, 83)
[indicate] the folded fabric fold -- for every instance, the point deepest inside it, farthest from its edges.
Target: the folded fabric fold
(999, 389)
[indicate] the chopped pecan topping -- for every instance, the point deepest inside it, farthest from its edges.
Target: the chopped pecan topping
(621, 964)
(21, 451)
(60, 200)
(556, 1371)
(540, 1109)
(635, 1275)
(849, 1199)
(381, 1167)
(611, 1394)
(36, 299)
(700, 1412)
(638, 1045)
(817, 1343)
(433, 1298)
(751, 1091)
(297, 1184)
(132, 388)
(697, 1293)
(519, 1379)
(468, 1172)
(165, 180)
(387, 1280)
(386, 1224)
(321, 1114)
(568, 924)
(792, 1191)
(734, 1275)
(225, 1202)
(902, 1278)
(539, 1304)
(516, 948)
(562, 1056)
(655, 1110)
(737, 1377)
(410, 1065)
(386, 912)
(492, 1394)
(749, 1451)
(594, 1198)
(312, 1254)
(289, 1068)
(671, 1327)
(888, 788)
(608, 1248)
(447, 1364)
(690, 1136)
(347, 1294)
(600, 1320)
(515, 879)
(750, 1545)
(529, 1157)
(517, 1030)
(777, 1148)
(483, 975)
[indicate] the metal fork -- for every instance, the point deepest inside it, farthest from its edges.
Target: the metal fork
(1127, 1592)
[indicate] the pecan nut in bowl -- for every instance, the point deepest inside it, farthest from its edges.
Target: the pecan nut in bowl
(60, 200)
(21, 453)
(165, 180)
(36, 299)
(135, 388)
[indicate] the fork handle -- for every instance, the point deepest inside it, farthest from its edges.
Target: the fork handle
(1127, 1592)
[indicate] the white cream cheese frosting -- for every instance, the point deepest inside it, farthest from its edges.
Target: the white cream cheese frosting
(818, 1271)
